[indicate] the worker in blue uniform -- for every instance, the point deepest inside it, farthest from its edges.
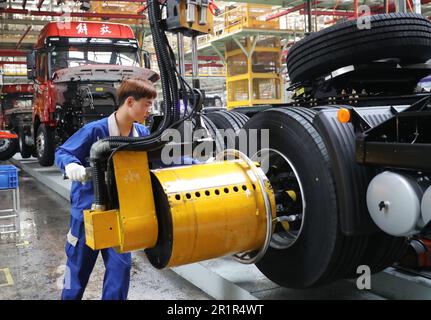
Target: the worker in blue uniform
(135, 98)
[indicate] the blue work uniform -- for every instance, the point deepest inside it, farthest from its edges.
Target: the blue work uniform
(81, 258)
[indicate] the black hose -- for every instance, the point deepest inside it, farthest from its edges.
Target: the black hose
(170, 96)
(103, 150)
(154, 18)
(100, 189)
(100, 157)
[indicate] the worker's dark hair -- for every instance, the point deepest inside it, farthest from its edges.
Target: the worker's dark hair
(137, 88)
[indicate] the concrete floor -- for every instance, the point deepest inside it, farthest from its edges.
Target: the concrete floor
(36, 262)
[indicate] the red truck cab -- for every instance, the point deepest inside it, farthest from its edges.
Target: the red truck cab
(76, 68)
(15, 114)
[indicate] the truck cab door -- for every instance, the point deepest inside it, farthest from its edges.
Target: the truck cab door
(41, 94)
(2, 124)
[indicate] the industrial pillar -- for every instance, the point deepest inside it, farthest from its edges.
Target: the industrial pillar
(401, 6)
(417, 6)
(310, 25)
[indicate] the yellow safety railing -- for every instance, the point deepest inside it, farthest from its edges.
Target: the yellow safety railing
(253, 71)
(244, 16)
(253, 63)
(251, 16)
(115, 7)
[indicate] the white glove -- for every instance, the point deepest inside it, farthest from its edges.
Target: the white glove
(75, 172)
(210, 160)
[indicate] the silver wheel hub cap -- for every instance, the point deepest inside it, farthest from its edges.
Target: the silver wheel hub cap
(289, 194)
(40, 144)
(4, 144)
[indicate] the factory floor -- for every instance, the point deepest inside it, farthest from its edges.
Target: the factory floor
(32, 266)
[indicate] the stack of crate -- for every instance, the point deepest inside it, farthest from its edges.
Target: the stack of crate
(9, 209)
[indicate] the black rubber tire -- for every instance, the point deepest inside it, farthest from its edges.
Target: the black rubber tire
(228, 119)
(374, 248)
(377, 250)
(25, 150)
(212, 129)
(218, 138)
(231, 122)
(322, 254)
(349, 250)
(46, 156)
(223, 120)
(240, 118)
(8, 148)
(382, 251)
(403, 36)
(306, 263)
(227, 127)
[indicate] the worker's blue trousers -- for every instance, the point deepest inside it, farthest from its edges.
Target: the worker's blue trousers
(80, 264)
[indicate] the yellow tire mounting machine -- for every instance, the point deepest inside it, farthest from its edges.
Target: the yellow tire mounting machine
(186, 214)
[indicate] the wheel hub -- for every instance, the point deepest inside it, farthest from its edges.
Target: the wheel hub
(4, 144)
(289, 197)
(40, 144)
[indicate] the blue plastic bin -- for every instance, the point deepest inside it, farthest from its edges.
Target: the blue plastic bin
(8, 177)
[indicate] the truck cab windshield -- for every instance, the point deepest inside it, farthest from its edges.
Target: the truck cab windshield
(74, 57)
(16, 101)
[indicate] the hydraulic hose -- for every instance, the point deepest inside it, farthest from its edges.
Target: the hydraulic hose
(102, 151)
(99, 154)
(100, 189)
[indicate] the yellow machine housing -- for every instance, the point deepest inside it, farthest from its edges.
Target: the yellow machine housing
(176, 19)
(134, 226)
(186, 214)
